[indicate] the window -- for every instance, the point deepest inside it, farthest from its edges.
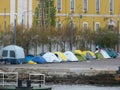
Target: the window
(5, 53)
(85, 25)
(59, 5)
(72, 2)
(111, 24)
(97, 26)
(12, 53)
(85, 5)
(97, 6)
(111, 6)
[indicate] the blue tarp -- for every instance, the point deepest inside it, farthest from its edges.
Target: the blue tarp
(29, 57)
(39, 59)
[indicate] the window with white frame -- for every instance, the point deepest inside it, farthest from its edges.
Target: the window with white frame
(111, 3)
(97, 26)
(85, 6)
(85, 25)
(97, 6)
(59, 3)
(72, 5)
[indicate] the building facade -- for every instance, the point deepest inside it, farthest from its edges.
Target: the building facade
(85, 14)
(21, 10)
(88, 14)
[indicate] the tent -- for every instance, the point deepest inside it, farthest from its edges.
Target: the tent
(39, 59)
(61, 56)
(92, 54)
(70, 56)
(103, 52)
(29, 57)
(78, 54)
(13, 54)
(89, 55)
(41, 54)
(111, 53)
(50, 57)
(99, 55)
(31, 62)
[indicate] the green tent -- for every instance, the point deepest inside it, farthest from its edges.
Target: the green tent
(99, 55)
(80, 57)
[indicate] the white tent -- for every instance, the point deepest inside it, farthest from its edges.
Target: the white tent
(70, 56)
(104, 53)
(13, 53)
(50, 57)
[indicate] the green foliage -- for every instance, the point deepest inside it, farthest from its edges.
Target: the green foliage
(106, 38)
(49, 12)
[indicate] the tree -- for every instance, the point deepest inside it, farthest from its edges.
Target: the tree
(45, 13)
(106, 38)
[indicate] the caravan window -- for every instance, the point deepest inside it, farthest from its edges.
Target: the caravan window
(12, 53)
(5, 53)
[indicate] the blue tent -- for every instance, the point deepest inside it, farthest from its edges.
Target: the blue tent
(29, 57)
(39, 59)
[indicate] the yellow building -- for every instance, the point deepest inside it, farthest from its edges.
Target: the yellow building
(90, 14)
(21, 10)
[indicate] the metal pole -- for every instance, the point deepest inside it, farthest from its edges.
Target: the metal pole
(15, 30)
(4, 19)
(71, 35)
(22, 20)
(93, 24)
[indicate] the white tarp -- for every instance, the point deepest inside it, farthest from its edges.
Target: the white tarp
(70, 56)
(50, 57)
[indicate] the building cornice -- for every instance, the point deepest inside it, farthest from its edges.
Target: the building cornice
(88, 15)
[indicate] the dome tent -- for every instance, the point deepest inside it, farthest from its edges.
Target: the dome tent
(103, 53)
(89, 55)
(70, 56)
(39, 59)
(111, 53)
(29, 57)
(50, 57)
(78, 54)
(13, 54)
(61, 56)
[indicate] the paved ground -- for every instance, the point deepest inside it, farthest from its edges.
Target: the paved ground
(66, 72)
(107, 64)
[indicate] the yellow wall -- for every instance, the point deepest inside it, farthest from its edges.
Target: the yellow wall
(4, 4)
(91, 16)
(65, 15)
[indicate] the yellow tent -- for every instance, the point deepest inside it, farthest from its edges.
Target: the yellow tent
(61, 56)
(31, 62)
(79, 55)
(78, 52)
(90, 52)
